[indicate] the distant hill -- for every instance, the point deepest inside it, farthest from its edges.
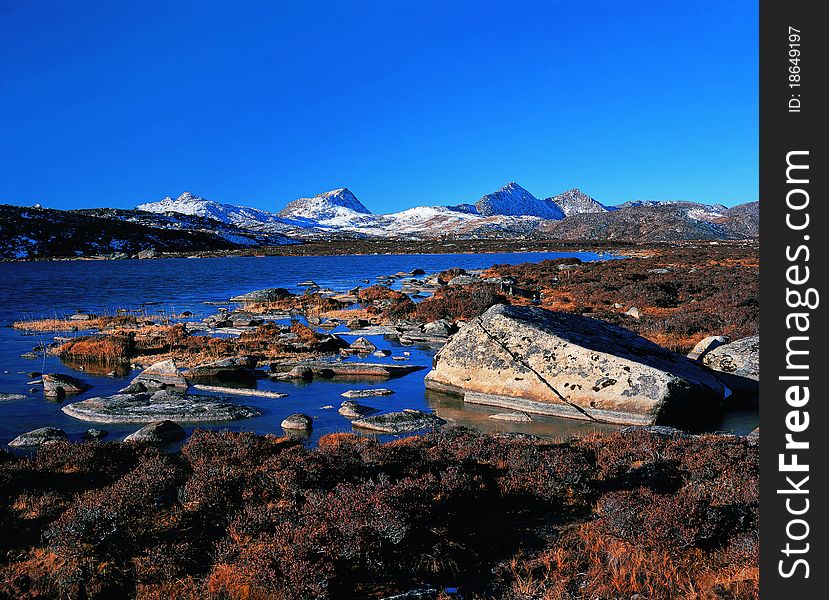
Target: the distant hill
(31, 232)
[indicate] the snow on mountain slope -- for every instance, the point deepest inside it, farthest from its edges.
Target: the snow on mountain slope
(337, 205)
(513, 200)
(576, 202)
(241, 216)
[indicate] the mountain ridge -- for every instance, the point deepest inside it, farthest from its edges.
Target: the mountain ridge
(190, 222)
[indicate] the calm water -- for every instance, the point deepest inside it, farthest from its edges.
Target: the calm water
(170, 286)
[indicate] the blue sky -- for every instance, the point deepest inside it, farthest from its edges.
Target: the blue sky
(405, 103)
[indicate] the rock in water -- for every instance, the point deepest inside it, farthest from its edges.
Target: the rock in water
(161, 375)
(38, 437)
(95, 434)
(226, 368)
(149, 407)
(58, 385)
(538, 361)
(4, 396)
(302, 373)
(161, 432)
(362, 345)
(367, 393)
(705, 345)
(297, 421)
(355, 410)
(404, 421)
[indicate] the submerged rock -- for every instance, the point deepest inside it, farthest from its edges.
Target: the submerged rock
(58, 385)
(4, 397)
(517, 417)
(298, 421)
(161, 432)
(149, 407)
(538, 361)
(405, 421)
(38, 437)
(162, 374)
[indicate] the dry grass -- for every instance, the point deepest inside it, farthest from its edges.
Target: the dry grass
(55, 324)
(107, 350)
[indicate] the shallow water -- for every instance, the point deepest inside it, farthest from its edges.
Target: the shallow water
(170, 286)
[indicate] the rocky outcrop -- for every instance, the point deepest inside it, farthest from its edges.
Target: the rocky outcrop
(538, 361)
(161, 432)
(58, 385)
(38, 437)
(160, 375)
(405, 421)
(149, 407)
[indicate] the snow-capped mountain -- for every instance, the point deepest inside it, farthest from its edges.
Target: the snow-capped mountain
(336, 205)
(576, 202)
(509, 211)
(513, 200)
(245, 217)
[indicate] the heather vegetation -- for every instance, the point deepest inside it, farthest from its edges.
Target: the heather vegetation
(235, 515)
(682, 294)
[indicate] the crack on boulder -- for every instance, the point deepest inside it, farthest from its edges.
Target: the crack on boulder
(541, 378)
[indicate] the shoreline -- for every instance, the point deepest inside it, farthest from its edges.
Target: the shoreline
(420, 247)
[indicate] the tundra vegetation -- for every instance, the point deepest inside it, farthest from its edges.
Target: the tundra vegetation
(236, 515)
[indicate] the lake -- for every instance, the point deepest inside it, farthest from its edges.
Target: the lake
(201, 286)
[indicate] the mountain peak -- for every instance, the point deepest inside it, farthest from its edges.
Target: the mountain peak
(188, 196)
(339, 203)
(574, 202)
(513, 200)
